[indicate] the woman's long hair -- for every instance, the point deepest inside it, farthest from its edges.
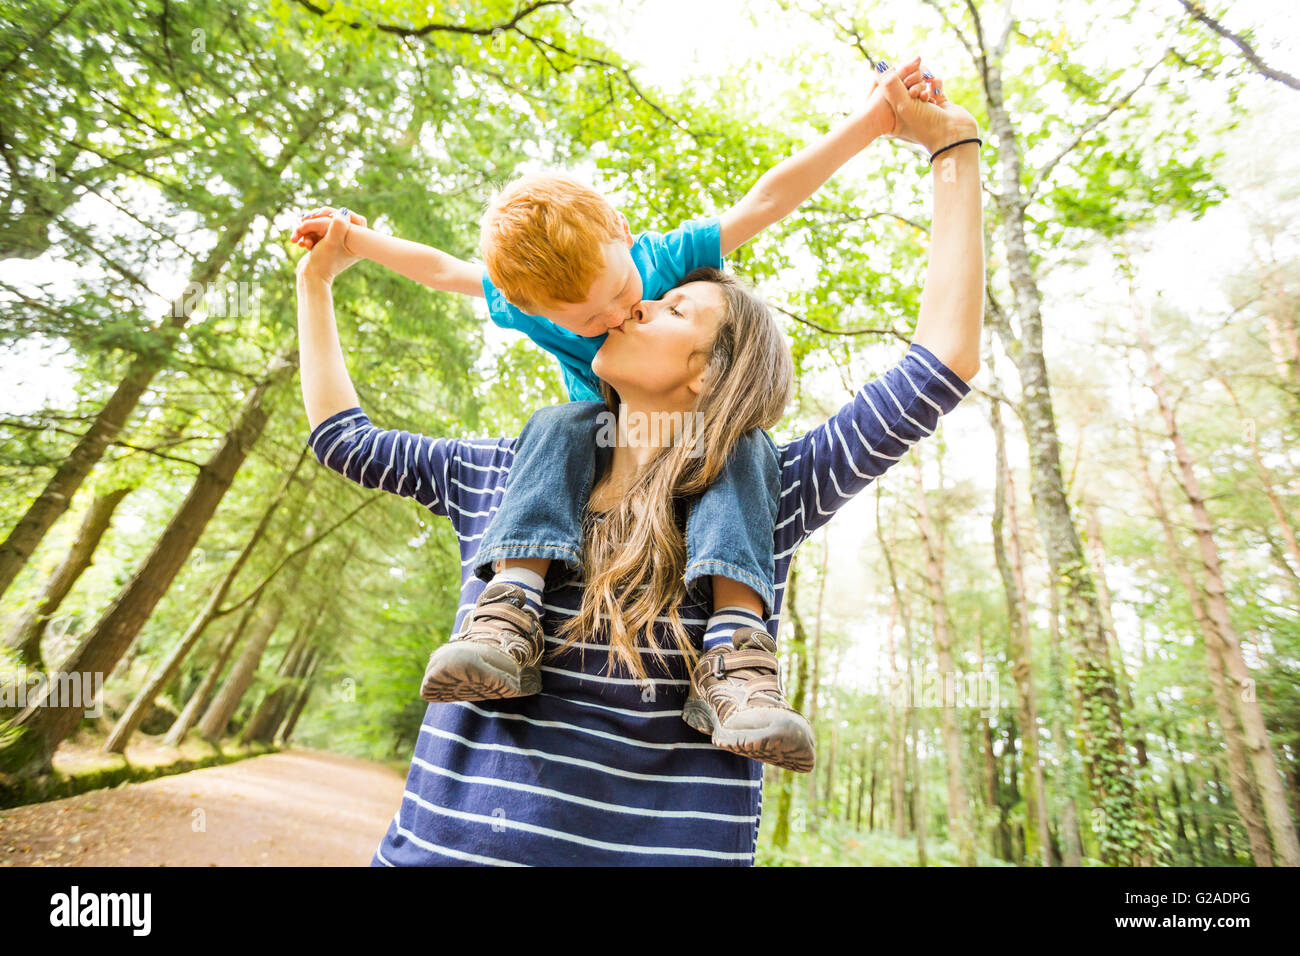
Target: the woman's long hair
(634, 558)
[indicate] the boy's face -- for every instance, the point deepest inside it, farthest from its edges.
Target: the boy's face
(661, 354)
(610, 300)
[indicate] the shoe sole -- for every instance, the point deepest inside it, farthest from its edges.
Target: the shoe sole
(468, 671)
(787, 742)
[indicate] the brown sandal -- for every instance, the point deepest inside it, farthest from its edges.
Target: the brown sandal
(494, 656)
(736, 699)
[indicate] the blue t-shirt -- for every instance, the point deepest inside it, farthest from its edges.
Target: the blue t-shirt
(663, 259)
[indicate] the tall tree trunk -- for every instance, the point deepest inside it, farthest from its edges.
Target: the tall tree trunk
(1015, 832)
(897, 735)
(28, 631)
(1102, 734)
(130, 720)
(280, 711)
(814, 691)
(305, 650)
(785, 794)
(264, 200)
(198, 700)
(1071, 848)
(833, 719)
(1097, 554)
(959, 822)
(871, 807)
(901, 704)
(1180, 813)
(213, 724)
(914, 769)
(1284, 343)
(43, 725)
(1038, 840)
(1266, 482)
(286, 732)
(1245, 793)
(918, 792)
(997, 832)
(262, 724)
(1277, 813)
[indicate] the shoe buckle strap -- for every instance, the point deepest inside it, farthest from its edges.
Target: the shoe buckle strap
(520, 618)
(722, 664)
(742, 659)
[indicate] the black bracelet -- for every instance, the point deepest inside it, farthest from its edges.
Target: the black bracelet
(974, 139)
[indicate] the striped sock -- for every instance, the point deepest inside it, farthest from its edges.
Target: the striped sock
(725, 620)
(530, 581)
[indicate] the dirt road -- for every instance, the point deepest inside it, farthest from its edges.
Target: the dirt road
(294, 808)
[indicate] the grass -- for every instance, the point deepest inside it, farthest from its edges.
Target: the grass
(837, 843)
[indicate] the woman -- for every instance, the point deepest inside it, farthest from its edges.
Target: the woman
(599, 768)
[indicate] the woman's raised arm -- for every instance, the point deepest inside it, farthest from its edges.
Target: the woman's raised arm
(326, 386)
(828, 465)
(454, 477)
(952, 300)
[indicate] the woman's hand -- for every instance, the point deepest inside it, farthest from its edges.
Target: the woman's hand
(324, 237)
(313, 225)
(933, 125)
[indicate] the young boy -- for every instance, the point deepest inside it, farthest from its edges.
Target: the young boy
(563, 267)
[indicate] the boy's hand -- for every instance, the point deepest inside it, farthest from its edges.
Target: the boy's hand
(931, 122)
(920, 83)
(314, 225)
(329, 255)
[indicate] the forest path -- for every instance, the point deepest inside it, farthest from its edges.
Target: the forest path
(298, 807)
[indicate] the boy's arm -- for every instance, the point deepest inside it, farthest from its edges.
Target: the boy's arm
(425, 264)
(782, 188)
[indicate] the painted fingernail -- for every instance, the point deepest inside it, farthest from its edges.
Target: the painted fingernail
(881, 66)
(927, 74)
(343, 211)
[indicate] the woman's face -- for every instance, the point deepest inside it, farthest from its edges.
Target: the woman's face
(659, 355)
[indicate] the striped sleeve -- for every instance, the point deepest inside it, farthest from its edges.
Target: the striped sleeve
(398, 462)
(822, 469)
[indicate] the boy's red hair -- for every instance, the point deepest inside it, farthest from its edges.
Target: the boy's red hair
(541, 239)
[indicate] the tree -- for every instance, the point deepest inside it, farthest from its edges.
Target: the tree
(959, 822)
(39, 729)
(1272, 791)
(1038, 841)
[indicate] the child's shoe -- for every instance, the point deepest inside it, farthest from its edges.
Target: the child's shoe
(736, 698)
(495, 655)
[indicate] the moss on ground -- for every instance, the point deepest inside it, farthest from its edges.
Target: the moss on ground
(82, 765)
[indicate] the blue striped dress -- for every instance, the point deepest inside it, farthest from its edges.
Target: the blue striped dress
(599, 768)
